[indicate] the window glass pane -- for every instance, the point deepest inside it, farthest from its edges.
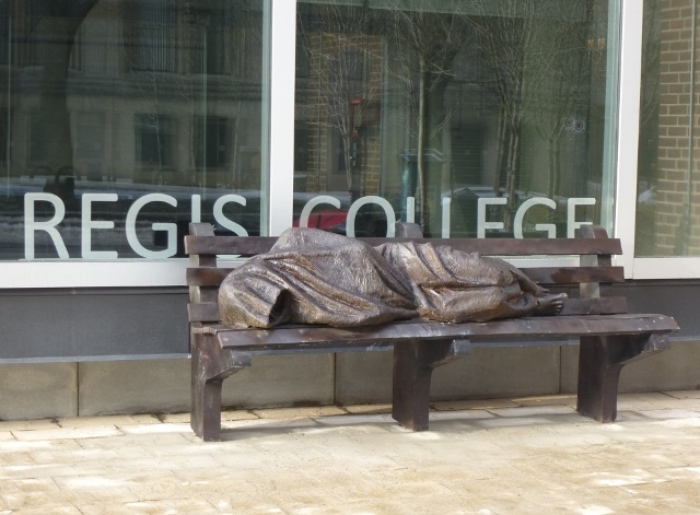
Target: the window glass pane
(122, 121)
(471, 117)
(667, 208)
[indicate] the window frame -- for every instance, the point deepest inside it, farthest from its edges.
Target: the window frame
(277, 152)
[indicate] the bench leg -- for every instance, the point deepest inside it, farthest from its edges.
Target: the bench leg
(600, 362)
(414, 362)
(210, 366)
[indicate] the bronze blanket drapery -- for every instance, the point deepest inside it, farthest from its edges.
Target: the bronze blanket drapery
(315, 277)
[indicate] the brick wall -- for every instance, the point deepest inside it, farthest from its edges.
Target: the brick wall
(322, 92)
(672, 152)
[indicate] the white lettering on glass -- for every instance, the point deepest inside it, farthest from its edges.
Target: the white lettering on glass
(411, 210)
(571, 223)
(88, 224)
(381, 202)
(232, 226)
(169, 229)
(481, 223)
(551, 229)
(196, 209)
(48, 226)
(446, 205)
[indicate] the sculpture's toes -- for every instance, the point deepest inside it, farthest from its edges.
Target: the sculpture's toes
(551, 304)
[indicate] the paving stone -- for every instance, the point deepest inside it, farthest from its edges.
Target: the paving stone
(100, 489)
(64, 434)
(145, 418)
(474, 404)
(684, 394)
(472, 414)
(368, 408)
(642, 401)
(23, 502)
(541, 457)
(296, 413)
(673, 414)
(139, 429)
(27, 425)
(54, 509)
(689, 403)
(106, 421)
(233, 415)
(522, 422)
(259, 428)
(77, 456)
(627, 415)
(17, 458)
(533, 411)
(678, 496)
(547, 400)
(13, 484)
(55, 446)
(353, 420)
(175, 418)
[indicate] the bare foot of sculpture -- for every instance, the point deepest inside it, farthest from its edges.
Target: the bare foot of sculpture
(550, 304)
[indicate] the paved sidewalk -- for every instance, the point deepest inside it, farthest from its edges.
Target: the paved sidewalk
(484, 457)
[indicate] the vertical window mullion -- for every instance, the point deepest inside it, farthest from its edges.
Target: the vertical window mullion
(281, 135)
(628, 134)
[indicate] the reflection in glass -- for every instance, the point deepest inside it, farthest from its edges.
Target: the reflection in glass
(417, 101)
(103, 102)
(667, 202)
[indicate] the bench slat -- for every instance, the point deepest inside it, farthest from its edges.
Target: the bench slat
(206, 276)
(228, 245)
(543, 275)
(599, 306)
(245, 246)
(564, 326)
(203, 312)
(576, 275)
(209, 311)
(521, 247)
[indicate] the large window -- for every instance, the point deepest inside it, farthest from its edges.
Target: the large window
(152, 28)
(120, 124)
(473, 118)
(155, 135)
(668, 205)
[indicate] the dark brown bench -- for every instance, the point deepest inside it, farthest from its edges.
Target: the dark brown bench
(609, 336)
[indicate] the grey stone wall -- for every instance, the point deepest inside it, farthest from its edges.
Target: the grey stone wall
(48, 390)
(135, 324)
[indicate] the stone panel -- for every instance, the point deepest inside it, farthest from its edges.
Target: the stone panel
(163, 386)
(112, 387)
(499, 372)
(674, 369)
(282, 380)
(363, 377)
(38, 390)
(366, 377)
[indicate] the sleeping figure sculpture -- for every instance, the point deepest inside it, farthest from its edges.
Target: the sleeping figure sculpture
(315, 277)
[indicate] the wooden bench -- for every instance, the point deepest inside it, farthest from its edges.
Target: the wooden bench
(609, 337)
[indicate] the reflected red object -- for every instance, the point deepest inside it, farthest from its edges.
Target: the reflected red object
(325, 219)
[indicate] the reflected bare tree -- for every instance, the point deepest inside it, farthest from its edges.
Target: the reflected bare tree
(536, 56)
(427, 43)
(563, 62)
(346, 80)
(53, 28)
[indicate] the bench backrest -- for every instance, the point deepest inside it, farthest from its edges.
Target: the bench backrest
(594, 270)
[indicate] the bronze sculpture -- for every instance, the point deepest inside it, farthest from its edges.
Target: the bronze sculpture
(315, 277)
